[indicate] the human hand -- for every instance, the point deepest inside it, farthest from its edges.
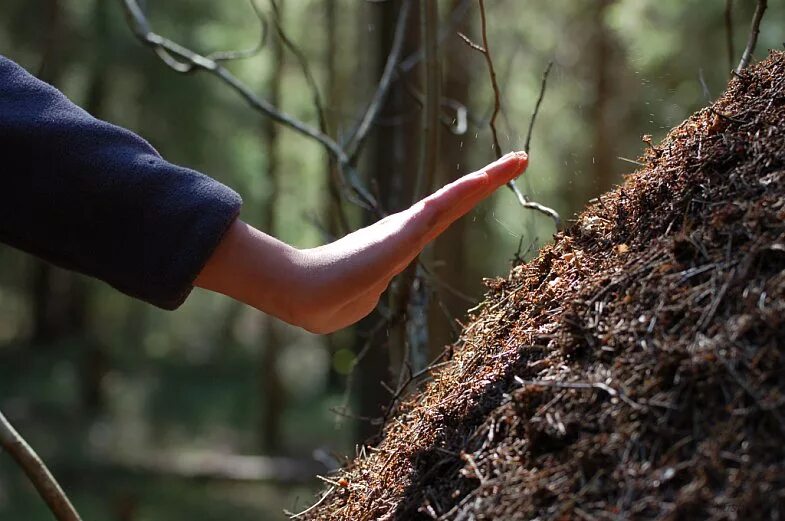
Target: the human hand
(327, 288)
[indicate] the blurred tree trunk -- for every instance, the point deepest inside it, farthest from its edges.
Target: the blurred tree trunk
(393, 161)
(449, 258)
(604, 173)
(333, 101)
(58, 297)
(396, 154)
(94, 362)
(271, 389)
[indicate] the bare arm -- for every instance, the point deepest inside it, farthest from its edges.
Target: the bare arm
(330, 287)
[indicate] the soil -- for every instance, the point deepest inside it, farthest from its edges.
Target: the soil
(635, 369)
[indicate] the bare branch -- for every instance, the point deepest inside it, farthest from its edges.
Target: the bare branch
(356, 141)
(401, 66)
(457, 123)
(183, 60)
(477, 47)
(752, 40)
(304, 67)
(37, 472)
(600, 386)
(292, 515)
(486, 52)
(414, 375)
(223, 56)
(525, 202)
(543, 85)
(375, 330)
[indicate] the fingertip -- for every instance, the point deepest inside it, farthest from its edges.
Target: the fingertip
(523, 163)
(507, 167)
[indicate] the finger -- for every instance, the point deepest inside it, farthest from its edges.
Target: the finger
(424, 221)
(458, 198)
(391, 244)
(472, 188)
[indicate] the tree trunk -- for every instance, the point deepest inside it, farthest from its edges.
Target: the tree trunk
(449, 263)
(337, 224)
(604, 175)
(393, 161)
(58, 297)
(94, 365)
(271, 389)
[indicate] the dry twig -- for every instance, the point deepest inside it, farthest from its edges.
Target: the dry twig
(304, 66)
(543, 85)
(184, 60)
(356, 141)
(752, 39)
(485, 51)
(37, 472)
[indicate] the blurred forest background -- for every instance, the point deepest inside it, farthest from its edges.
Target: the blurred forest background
(216, 411)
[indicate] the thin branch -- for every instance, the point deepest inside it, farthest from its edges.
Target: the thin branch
(413, 375)
(224, 56)
(486, 52)
(616, 393)
(729, 32)
(37, 472)
(184, 60)
(543, 85)
(752, 39)
(525, 202)
(468, 41)
(337, 173)
(304, 66)
(321, 500)
(354, 145)
(404, 65)
(378, 327)
(457, 123)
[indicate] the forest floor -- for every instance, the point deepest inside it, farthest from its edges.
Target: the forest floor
(635, 369)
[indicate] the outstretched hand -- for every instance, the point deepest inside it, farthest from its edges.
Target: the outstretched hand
(330, 287)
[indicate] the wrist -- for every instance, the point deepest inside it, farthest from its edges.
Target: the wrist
(256, 269)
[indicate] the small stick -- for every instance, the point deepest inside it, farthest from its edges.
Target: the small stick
(582, 385)
(752, 39)
(37, 472)
(543, 84)
(321, 500)
(302, 61)
(486, 52)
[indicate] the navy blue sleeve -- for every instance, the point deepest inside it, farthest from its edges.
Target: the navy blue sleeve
(95, 198)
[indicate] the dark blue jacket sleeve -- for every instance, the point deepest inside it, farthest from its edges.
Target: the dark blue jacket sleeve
(95, 198)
